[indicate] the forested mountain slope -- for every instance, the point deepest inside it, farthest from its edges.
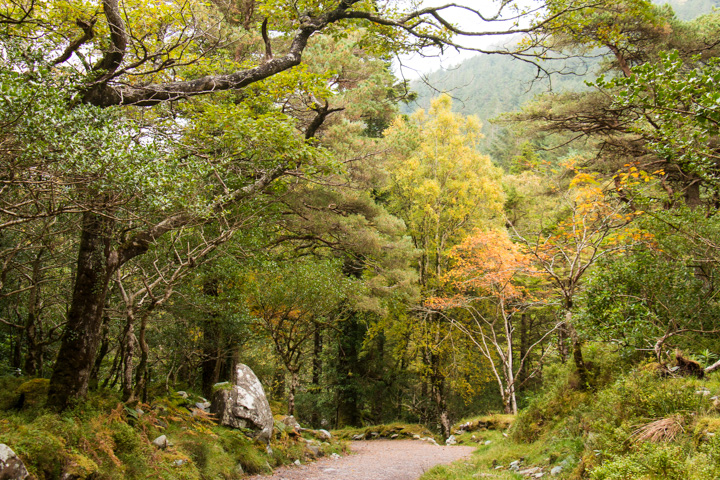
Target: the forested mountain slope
(488, 85)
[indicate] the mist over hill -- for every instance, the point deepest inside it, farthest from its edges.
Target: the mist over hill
(489, 85)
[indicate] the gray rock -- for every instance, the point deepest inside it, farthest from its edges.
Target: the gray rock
(11, 467)
(416, 436)
(430, 440)
(297, 462)
(161, 442)
(514, 466)
(394, 436)
(531, 472)
(451, 440)
(205, 406)
(556, 471)
(359, 436)
(179, 462)
(488, 442)
(315, 450)
(182, 394)
(244, 405)
(335, 456)
(323, 434)
(239, 469)
(269, 450)
(290, 422)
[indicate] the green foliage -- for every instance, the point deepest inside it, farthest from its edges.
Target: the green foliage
(680, 99)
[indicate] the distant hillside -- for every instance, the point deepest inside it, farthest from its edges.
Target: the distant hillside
(689, 9)
(488, 85)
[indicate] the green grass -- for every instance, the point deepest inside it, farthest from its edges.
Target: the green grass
(102, 439)
(595, 435)
(402, 430)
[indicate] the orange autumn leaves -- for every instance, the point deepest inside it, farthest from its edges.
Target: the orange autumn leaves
(486, 264)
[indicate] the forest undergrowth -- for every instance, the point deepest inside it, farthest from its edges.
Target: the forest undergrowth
(636, 425)
(105, 439)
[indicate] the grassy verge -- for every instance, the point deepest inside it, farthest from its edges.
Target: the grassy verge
(102, 439)
(640, 426)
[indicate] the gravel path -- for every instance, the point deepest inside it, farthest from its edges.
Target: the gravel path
(375, 460)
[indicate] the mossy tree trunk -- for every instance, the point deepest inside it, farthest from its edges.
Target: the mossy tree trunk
(95, 266)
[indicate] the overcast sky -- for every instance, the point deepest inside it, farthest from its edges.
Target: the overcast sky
(415, 65)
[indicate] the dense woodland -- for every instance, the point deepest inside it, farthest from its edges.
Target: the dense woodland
(185, 186)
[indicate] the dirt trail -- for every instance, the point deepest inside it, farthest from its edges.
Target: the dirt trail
(375, 460)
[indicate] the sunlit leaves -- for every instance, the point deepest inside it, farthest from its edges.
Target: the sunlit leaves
(486, 264)
(441, 185)
(678, 110)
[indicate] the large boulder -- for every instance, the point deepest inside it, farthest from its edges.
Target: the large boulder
(243, 404)
(11, 467)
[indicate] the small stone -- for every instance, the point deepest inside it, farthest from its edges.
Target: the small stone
(514, 466)
(451, 440)
(289, 421)
(297, 462)
(179, 462)
(530, 471)
(315, 450)
(394, 435)
(11, 467)
(161, 442)
(269, 450)
(139, 412)
(183, 394)
(335, 456)
(556, 471)
(324, 434)
(416, 436)
(359, 436)
(239, 469)
(375, 434)
(430, 440)
(488, 442)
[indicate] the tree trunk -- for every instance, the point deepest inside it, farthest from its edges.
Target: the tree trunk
(129, 342)
(95, 266)
(524, 346)
(317, 359)
(582, 370)
(316, 372)
(104, 348)
(294, 382)
(33, 355)
(437, 381)
(562, 342)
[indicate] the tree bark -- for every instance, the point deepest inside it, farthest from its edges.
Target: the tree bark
(294, 382)
(95, 266)
(33, 355)
(583, 374)
(142, 371)
(104, 349)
